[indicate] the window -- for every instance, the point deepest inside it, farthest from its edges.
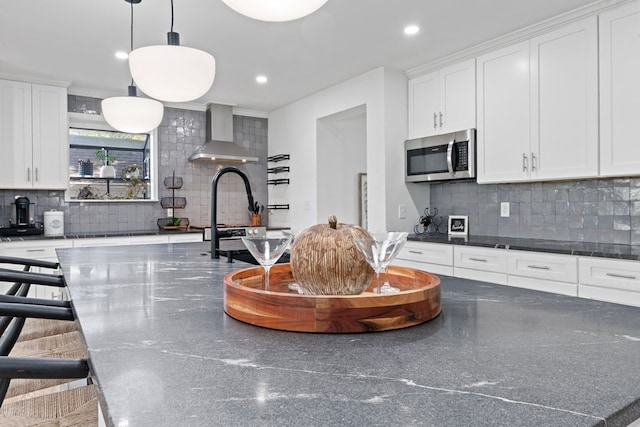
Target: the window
(108, 165)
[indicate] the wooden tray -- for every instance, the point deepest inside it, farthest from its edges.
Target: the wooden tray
(281, 308)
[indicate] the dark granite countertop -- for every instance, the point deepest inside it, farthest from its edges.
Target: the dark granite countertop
(605, 250)
(165, 354)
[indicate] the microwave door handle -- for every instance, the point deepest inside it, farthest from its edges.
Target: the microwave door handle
(450, 155)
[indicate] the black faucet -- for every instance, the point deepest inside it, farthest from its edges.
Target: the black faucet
(215, 240)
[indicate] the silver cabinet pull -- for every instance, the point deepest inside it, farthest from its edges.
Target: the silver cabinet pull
(533, 162)
(435, 120)
(539, 267)
(415, 252)
(35, 250)
(36, 174)
(28, 174)
(524, 162)
(478, 259)
(621, 276)
(440, 118)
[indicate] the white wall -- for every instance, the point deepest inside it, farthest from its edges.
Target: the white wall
(294, 129)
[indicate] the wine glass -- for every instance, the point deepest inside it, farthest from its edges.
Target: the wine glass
(379, 252)
(267, 251)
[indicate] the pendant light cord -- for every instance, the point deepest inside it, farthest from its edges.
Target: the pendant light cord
(172, 16)
(131, 48)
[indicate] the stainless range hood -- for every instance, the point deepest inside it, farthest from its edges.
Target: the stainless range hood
(219, 145)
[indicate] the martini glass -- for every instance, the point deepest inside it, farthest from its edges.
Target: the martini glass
(267, 251)
(379, 252)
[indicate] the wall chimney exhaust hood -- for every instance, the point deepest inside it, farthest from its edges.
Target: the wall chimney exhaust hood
(219, 145)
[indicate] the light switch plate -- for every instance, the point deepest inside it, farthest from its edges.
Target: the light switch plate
(402, 211)
(504, 209)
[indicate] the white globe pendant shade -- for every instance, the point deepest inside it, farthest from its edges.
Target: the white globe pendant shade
(172, 73)
(132, 114)
(275, 10)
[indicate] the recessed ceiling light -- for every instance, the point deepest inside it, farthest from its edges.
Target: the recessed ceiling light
(261, 79)
(122, 55)
(411, 30)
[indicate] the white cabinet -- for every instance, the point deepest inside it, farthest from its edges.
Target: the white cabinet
(442, 101)
(619, 90)
(610, 280)
(538, 107)
(185, 238)
(34, 152)
(543, 272)
(486, 264)
(431, 257)
(44, 250)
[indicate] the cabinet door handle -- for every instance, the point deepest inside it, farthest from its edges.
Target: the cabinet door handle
(36, 174)
(539, 267)
(621, 276)
(28, 174)
(524, 162)
(533, 162)
(477, 259)
(35, 250)
(435, 120)
(440, 118)
(415, 252)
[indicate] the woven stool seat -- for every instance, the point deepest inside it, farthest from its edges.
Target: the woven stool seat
(76, 407)
(38, 328)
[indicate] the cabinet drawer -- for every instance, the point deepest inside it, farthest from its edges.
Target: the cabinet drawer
(483, 259)
(563, 268)
(440, 269)
(608, 273)
(185, 238)
(34, 249)
(433, 253)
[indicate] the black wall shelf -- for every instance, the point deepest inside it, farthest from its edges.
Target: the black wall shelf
(278, 181)
(277, 207)
(279, 169)
(278, 158)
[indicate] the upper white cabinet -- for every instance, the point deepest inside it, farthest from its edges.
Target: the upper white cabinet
(33, 136)
(442, 101)
(538, 107)
(619, 90)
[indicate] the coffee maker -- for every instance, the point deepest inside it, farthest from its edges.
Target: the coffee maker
(22, 220)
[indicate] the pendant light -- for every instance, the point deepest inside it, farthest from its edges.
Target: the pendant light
(172, 73)
(130, 113)
(275, 10)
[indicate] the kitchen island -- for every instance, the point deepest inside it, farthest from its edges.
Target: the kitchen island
(164, 353)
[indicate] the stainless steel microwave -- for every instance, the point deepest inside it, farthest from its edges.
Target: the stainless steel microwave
(445, 157)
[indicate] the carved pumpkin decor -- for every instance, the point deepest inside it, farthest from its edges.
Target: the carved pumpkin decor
(326, 261)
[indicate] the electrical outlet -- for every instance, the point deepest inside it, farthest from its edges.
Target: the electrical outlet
(504, 209)
(402, 211)
(170, 212)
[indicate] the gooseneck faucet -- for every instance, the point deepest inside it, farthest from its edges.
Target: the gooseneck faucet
(215, 239)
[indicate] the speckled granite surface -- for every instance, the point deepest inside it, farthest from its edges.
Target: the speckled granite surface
(605, 250)
(165, 354)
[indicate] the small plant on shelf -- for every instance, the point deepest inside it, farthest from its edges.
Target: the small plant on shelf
(132, 176)
(106, 170)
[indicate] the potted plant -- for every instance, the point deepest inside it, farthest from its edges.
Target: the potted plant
(106, 170)
(133, 177)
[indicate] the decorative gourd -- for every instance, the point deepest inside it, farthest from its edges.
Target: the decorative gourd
(326, 261)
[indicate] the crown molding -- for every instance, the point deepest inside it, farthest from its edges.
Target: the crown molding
(517, 36)
(34, 79)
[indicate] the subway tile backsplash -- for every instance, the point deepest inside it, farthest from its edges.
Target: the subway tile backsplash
(598, 210)
(179, 134)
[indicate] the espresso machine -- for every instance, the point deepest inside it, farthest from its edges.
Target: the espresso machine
(22, 220)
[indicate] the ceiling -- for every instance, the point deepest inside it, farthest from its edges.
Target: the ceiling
(75, 41)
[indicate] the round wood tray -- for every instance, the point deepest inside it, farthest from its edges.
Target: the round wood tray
(281, 308)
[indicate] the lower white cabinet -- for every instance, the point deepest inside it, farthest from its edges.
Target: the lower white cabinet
(543, 272)
(486, 264)
(44, 250)
(431, 257)
(609, 280)
(185, 238)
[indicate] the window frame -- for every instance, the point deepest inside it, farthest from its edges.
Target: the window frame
(97, 122)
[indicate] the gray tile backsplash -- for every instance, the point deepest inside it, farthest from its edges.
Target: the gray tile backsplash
(598, 210)
(179, 134)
